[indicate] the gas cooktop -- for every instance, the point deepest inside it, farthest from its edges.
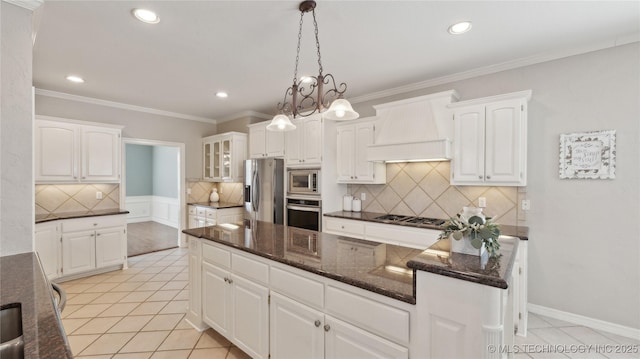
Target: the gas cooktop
(409, 219)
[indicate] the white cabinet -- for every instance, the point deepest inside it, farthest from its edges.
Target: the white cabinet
(291, 319)
(205, 216)
(47, 245)
(93, 243)
(352, 164)
(263, 143)
(223, 157)
(343, 340)
(194, 306)
(236, 307)
(304, 144)
(490, 141)
(72, 152)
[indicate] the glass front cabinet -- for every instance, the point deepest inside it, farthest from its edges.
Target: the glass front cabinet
(223, 157)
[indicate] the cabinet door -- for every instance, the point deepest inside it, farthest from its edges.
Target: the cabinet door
(257, 141)
(274, 143)
(78, 252)
(56, 149)
(217, 305)
(504, 136)
(195, 282)
(290, 319)
(100, 154)
(109, 247)
(343, 340)
(293, 139)
(468, 145)
(312, 146)
(363, 169)
(251, 317)
(207, 171)
(47, 245)
(225, 158)
(345, 151)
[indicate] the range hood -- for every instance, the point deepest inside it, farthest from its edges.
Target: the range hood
(414, 129)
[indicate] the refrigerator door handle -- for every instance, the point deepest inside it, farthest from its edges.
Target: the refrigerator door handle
(256, 191)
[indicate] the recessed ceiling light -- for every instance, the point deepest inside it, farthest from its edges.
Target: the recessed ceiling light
(460, 28)
(76, 79)
(222, 94)
(147, 16)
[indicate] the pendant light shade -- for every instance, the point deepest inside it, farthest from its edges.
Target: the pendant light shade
(341, 110)
(281, 123)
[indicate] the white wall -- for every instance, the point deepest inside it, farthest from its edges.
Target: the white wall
(584, 248)
(16, 128)
(137, 125)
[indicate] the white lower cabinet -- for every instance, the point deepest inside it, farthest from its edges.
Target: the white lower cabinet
(343, 340)
(78, 252)
(47, 245)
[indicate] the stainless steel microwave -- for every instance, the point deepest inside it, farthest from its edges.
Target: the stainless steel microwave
(305, 181)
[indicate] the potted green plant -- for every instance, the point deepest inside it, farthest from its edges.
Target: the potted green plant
(471, 233)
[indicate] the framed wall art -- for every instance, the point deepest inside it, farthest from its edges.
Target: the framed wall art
(590, 155)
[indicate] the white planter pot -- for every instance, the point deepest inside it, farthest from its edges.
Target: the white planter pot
(464, 246)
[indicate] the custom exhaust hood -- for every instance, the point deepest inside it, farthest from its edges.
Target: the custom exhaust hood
(414, 129)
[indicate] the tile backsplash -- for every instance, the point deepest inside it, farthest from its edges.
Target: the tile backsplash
(423, 189)
(62, 198)
(229, 192)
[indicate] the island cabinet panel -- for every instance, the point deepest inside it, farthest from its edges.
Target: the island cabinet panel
(194, 306)
(250, 317)
(298, 287)
(343, 340)
(291, 319)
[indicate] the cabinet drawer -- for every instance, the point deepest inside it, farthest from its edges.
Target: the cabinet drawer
(210, 213)
(249, 268)
(192, 210)
(297, 287)
(345, 226)
(389, 322)
(215, 255)
(200, 211)
(420, 238)
(85, 224)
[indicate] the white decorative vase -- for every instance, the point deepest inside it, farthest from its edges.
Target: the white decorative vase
(215, 197)
(468, 212)
(464, 246)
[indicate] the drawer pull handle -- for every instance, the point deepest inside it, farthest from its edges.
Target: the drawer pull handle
(327, 327)
(317, 323)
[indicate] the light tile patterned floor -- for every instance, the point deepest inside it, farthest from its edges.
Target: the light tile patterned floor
(139, 313)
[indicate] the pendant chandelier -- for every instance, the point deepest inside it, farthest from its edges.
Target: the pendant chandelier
(308, 95)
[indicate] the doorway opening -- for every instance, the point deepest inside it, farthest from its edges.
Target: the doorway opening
(152, 191)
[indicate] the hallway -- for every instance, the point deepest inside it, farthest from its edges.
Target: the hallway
(147, 237)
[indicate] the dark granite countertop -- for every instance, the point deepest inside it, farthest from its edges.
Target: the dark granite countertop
(23, 281)
(80, 214)
(215, 205)
(521, 232)
(494, 272)
(324, 254)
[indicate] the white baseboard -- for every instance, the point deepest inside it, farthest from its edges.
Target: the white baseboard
(633, 333)
(159, 209)
(140, 219)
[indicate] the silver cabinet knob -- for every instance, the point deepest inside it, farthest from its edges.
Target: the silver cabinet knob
(479, 177)
(230, 280)
(226, 279)
(488, 177)
(317, 323)
(327, 327)
(342, 227)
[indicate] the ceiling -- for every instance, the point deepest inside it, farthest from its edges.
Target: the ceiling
(247, 48)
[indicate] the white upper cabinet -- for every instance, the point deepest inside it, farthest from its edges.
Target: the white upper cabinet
(490, 141)
(352, 164)
(223, 157)
(304, 144)
(263, 143)
(73, 152)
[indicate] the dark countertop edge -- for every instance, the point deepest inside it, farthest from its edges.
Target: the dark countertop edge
(502, 283)
(72, 215)
(521, 232)
(49, 334)
(360, 284)
(215, 205)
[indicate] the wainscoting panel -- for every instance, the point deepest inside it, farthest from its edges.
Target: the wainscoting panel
(159, 209)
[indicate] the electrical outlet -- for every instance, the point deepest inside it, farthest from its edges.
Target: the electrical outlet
(482, 202)
(526, 204)
(98, 195)
(363, 196)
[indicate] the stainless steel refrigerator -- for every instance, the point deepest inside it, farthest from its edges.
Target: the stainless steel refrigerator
(264, 190)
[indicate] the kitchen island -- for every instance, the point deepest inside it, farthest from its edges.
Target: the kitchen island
(372, 299)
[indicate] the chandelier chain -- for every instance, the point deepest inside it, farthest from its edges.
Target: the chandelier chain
(295, 73)
(315, 25)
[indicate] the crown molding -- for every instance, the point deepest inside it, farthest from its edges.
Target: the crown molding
(509, 65)
(248, 113)
(124, 106)
(27, 4)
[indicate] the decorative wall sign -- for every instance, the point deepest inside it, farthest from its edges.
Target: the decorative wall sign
(588, 155)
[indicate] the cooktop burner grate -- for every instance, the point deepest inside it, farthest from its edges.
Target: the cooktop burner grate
(425, 220)
(392, 217)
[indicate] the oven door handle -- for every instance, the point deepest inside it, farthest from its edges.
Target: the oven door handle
(303, 208)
